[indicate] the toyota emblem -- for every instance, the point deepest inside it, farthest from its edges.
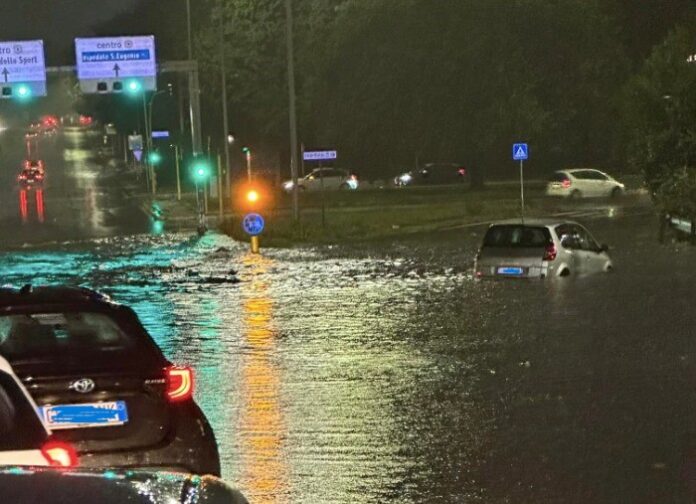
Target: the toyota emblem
(83, 385)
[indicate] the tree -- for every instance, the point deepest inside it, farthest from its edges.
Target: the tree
(660, 107)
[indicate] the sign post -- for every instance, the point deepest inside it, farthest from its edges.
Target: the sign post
(320, 156)
(520, 152)
(22, 69)
(253, 225)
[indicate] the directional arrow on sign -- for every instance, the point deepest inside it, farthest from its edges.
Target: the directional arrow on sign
(117, 69)
(5, 73)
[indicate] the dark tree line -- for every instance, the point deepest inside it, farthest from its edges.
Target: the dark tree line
(392, 82)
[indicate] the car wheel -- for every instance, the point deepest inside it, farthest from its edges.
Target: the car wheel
(565, 272)
(576, 195)
(616, 192)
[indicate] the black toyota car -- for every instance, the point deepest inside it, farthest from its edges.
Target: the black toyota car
(102, 384)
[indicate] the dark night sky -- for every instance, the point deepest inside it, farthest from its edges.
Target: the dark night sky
(57, 22)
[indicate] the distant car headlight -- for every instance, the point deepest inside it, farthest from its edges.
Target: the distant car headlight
(352, 183)
(405, 178)
(288, 185)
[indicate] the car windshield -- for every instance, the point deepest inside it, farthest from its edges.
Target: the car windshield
(517, 236)
(62, 335)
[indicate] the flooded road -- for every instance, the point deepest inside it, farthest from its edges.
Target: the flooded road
(386, 373)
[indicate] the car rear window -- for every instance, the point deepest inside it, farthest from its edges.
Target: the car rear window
(69, 335)
(20, 427)
(558, 177)
(517, 236)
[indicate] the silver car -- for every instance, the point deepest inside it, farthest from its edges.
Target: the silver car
(540, 248)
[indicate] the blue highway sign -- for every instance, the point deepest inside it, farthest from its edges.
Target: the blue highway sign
(320, 155)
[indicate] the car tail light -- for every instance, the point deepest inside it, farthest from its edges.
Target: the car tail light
(59, 454)
(353, 176)
(462, 171)
(550, 252)
(179, 383)
(566, 183)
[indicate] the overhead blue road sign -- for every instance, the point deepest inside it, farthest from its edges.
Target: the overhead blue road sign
(160, 134)
(520, 151)
(320, 155)
(253, 224)
(22, 69)
(101, 62)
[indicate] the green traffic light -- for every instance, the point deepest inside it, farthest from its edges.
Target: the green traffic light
(23, 91)
(246, 150)
(201, 171)
(155, 158)
(133, 86)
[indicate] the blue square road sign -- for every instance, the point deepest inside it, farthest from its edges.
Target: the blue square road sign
(520, 151)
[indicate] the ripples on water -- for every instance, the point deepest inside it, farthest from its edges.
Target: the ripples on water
(332, 379)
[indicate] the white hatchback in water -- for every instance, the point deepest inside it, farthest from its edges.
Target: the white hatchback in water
(584, 183)
(539, 248)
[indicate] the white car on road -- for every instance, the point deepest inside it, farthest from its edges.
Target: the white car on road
(584, 183)
(24, 440)
(540, 248)
(330, 179)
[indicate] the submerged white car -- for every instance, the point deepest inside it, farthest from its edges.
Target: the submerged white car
(584, 183)
(24, 440)
(540, 248)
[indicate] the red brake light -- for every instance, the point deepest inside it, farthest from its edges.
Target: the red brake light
(565, 183)
(462, 171)
(59, 454)
(550, 253)
(179, 383)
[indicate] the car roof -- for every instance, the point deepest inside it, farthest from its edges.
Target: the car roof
(29, 295)
(547, 222)
(574, 170)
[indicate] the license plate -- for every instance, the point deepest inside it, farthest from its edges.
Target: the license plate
(81, 416)
(510, 271)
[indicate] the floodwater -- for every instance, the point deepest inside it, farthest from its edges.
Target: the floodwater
(388, 374)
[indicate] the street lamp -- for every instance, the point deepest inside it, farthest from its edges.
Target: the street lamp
(247, 152)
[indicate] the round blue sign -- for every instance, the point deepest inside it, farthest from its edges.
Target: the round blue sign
(253, 224)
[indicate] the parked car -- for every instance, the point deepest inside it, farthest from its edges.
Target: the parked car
(433, 174)
(45, 486)
(330, 179)
(540, 248)
(583, 183)
(102, 384)
(24, 439)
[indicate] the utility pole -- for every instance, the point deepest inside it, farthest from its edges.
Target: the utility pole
(225, 119)
(195, 113)
(293, 110)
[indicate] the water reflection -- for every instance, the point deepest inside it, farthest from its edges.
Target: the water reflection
(261, 425)
(40, 209)
(23, 206)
